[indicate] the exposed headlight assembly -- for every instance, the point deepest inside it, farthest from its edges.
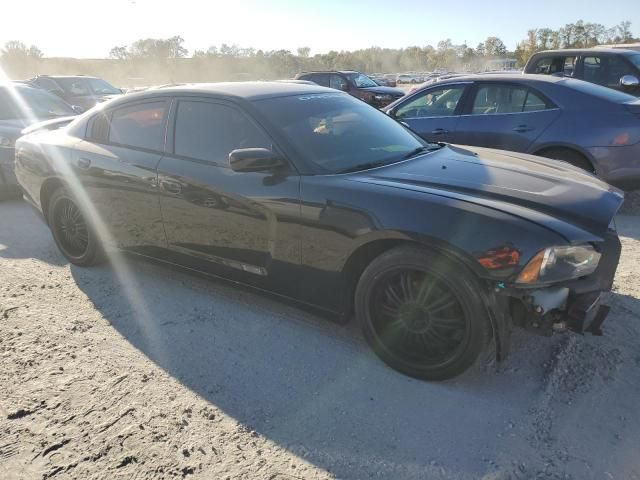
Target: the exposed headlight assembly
(555, 264)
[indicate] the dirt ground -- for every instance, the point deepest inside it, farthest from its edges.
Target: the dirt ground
(132, 370)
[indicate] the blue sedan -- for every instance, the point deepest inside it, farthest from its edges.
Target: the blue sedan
(592, 127)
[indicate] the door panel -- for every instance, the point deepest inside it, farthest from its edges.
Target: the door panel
(504, 116)
(237, 220)
(121, 184)
(117, 165)
(515, 132)
(240, 225)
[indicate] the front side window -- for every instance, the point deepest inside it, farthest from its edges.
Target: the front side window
(438, 102)
(139, 126)
(102, 87)
(210, 131)
(497, 99)
(606, 70)
(337, 132)
(635, 59)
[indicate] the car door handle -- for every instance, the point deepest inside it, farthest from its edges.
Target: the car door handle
(523, 128)
(171, 187)
(439, 131)
(84, 163)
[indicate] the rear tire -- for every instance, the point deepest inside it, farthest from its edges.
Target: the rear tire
(71, 231)
(421, 313)
(570, 156)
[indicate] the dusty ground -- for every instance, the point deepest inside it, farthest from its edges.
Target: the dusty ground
(137, 371)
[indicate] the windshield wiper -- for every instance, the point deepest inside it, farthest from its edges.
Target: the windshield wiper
(423, 149)
(362, 166)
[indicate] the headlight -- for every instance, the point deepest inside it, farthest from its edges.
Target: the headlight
(6, 142)
(555, 264)
(382, 97)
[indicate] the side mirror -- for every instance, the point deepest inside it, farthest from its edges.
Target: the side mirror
(344, 87)
(78, 109)
(254, 160)
(629, 82)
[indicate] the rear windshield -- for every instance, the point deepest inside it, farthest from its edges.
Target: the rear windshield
(598, 91)
(337, 132)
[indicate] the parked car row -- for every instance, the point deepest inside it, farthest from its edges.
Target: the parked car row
(594, 128)
(80, 90)
(20, 107)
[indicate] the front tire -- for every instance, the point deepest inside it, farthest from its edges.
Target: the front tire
(71, 231)
(421, 313)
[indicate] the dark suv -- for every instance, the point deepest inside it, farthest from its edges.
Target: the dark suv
(613, 68)
(356, 84)
(79, 90)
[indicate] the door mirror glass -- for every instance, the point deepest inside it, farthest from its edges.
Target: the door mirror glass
(254, 160)
(629, 82)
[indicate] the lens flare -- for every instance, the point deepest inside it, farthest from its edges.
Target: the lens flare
(128, 285)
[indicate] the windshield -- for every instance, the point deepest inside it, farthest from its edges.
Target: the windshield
(25, 103)
(337, 132)
(361, 81)
(87, 86)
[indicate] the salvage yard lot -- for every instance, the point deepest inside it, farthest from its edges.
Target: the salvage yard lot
(164, 374)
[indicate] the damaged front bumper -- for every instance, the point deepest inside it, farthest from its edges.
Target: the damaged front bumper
(576, 305)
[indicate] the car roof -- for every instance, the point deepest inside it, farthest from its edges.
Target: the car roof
(575, 51)
(500, 77)
(328, 71)
(243, 90)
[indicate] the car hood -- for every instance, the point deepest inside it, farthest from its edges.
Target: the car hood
(396, 92)
(531, 187)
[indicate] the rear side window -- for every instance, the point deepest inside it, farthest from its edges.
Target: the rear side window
(555, 65)
(497, 99)
(139, 126)
(210, 131)
(47, 84)
(322, 80)
(98, 128)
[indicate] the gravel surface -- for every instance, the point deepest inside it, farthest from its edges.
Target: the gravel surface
(133, 370)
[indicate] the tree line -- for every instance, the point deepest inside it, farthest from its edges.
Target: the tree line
(153, 61)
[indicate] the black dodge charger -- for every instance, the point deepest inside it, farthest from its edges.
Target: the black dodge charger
(313, 195)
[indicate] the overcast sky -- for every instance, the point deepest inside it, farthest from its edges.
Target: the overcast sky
(90, 28)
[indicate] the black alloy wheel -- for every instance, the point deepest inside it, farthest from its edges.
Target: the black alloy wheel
(73, 235)
(422, 314)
